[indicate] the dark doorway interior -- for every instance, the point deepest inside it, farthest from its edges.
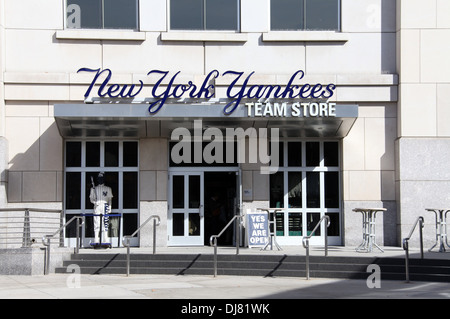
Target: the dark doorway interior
(220, 205)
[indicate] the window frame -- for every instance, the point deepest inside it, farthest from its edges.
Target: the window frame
(102, 28)
(238, 20)
(304, 29)
(305, 210)
(83, 169)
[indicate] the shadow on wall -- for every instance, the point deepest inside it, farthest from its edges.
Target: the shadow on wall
(34, 175)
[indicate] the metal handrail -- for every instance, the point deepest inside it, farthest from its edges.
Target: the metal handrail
(421, 222)
(306, 241)
(27, 225)
(213, 240)
(126, 239)
(46, 240)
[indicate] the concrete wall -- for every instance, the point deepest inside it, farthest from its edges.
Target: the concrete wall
(3, 141)
(422, 178)
(31, 261)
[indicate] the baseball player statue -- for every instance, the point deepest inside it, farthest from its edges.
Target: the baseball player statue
(101, 197)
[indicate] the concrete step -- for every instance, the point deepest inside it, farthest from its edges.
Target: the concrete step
(259, 265)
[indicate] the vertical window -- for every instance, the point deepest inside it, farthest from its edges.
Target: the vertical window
(119, 162)
(305, 15)
(307, 187)
(204, 15)
(102, 14)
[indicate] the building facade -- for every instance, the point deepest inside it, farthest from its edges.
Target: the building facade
(354, 93)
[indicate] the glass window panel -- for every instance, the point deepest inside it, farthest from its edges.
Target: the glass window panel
(295, 189)
(112, 180)
(311, 221)
(194, 191)
(111, 154)
(120, 14)
(322, 14)
(114, 226)
(130, 224)
(130, 190)
(279, 222)
(73, 190)
(89, 227)
(194, 224)
(286, 15)
(280, 154)
(186, 15)
(92, 154)
(130, 154)
(313, 189)
(90, 13)
(333, 229)
(178, 224)
(221, 14)
(294, 154)
(331, 153)
(295, 224)
(277, 190)
(332, 189)
(312, 154)
(178, 191)
(73, 154)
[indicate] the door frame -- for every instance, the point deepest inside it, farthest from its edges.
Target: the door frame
(185, 240)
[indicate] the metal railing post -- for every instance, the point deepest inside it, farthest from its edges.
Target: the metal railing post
(213, 239)
(306, 242)
(26, 229)
(215, 257)
(238, 236)
(126, 239)
(77, 246)
(47, 257)
(307, 259)
(128, 257)
(419, 221)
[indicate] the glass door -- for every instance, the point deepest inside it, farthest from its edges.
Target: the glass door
(186, 211)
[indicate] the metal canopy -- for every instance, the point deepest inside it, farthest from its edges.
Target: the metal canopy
(134, 120)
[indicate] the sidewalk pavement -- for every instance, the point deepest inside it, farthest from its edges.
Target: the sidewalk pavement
(75, 286)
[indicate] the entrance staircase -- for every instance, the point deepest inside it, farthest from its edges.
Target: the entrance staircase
(434, 270)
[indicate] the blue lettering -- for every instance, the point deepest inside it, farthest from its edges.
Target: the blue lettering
(289, 89)
(230, 107)
(165, 95)
(105, 82)
(208, 90)
(112, 89)
(130, 91)
(330, 88)
(234, 91)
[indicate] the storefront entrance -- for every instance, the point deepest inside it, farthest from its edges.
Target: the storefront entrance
(200, 205)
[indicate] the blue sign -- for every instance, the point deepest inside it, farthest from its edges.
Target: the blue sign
(234, 92)
(257, 229)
